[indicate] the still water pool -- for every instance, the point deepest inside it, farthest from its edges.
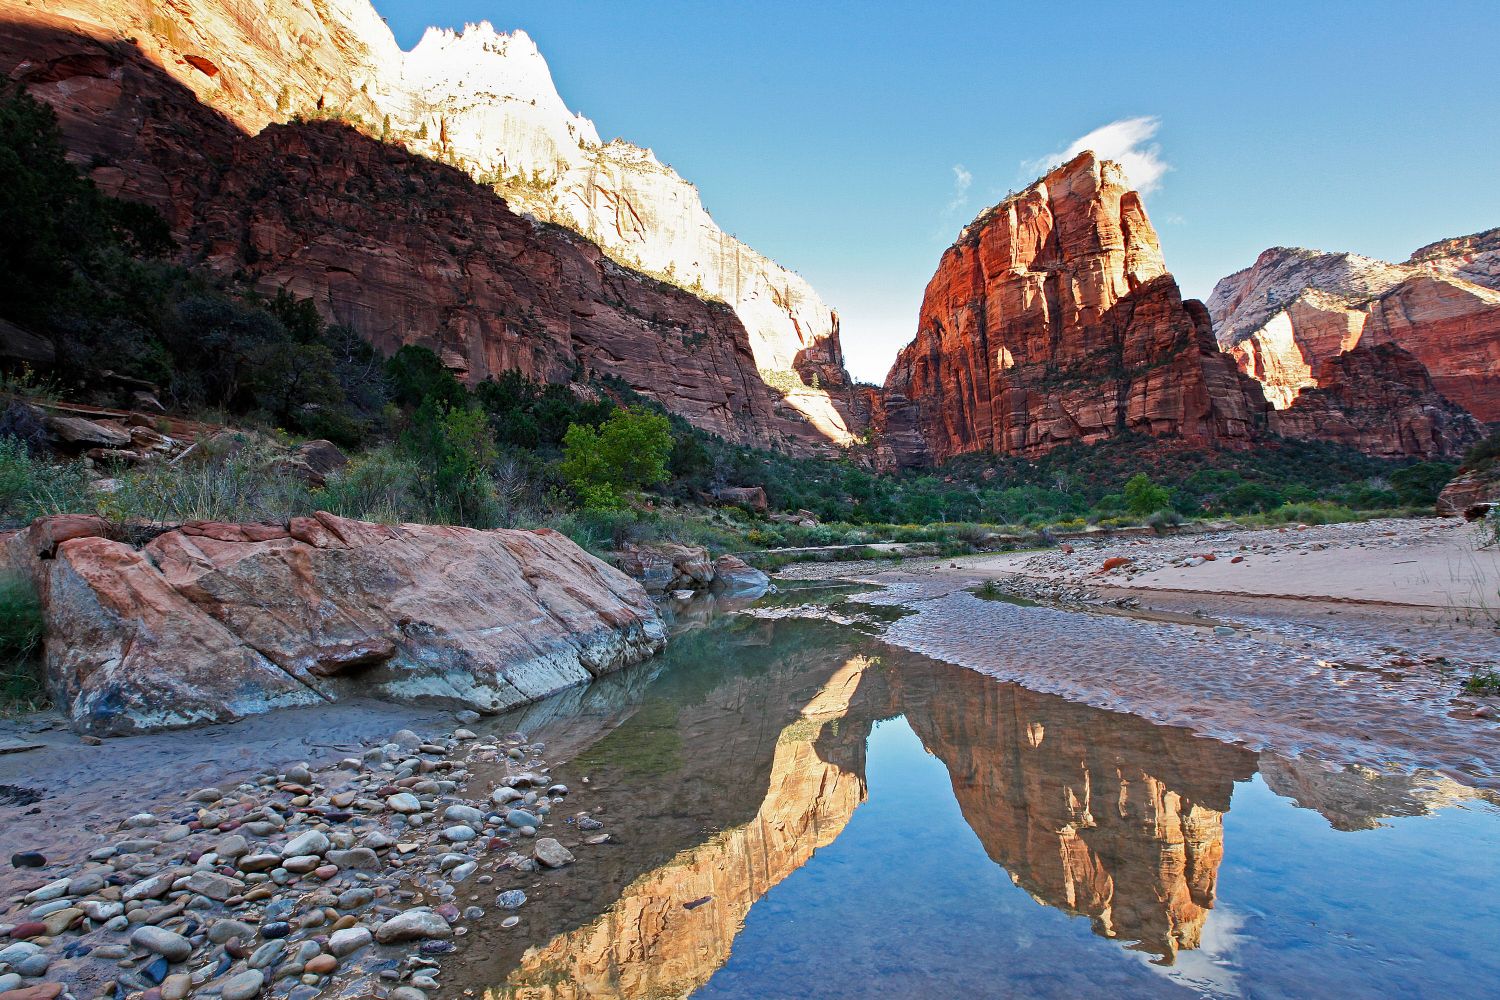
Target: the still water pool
(803, 811)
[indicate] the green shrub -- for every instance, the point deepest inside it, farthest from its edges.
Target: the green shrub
(31, 488)
(628, 451)
(453, 449)
(1419, 485)
(1322, 512)
(21, 631)
(1142, 496)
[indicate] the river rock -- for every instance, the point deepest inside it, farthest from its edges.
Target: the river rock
(158, 940)
(244, 986)
(551, 854)
(349, 940)
(413, 925)
(314, 842)
(355, 858)
(404, 802)
(463, 814)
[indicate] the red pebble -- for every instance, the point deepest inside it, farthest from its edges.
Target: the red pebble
(30, 929)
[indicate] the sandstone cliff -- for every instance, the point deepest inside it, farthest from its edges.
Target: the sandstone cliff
(1052, 319)
(213, 622)
(1293, 309)
(400, 248)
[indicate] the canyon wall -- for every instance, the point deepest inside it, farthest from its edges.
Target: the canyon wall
(145, 92)
(1294, 309)
(1052, 319)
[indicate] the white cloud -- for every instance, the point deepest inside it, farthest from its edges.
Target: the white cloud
(962, 181)
(1127, 142)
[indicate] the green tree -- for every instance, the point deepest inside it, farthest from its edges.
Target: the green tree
(1419, 485)
(628, 451)
(417, 375)
(1143, 497)
(453, 449)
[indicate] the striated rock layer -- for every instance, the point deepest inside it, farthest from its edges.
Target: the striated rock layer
(1051, 320)
(480, 100)
(212, 622)
(1294, 309)
(1381, 401)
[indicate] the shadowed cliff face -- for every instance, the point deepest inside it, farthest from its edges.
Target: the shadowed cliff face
(1053, 320)
(1381, 400)
(396, 246)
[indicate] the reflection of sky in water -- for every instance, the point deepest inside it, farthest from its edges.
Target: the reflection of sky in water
(906, 903)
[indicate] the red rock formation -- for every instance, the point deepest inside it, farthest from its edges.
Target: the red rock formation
(213, 622)
(398, 247)
(1381, 401)
(1052, 320)
(1294, 309)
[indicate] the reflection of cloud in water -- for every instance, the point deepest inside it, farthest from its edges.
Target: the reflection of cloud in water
(1210, 967)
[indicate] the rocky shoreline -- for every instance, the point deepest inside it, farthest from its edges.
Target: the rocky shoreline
(302, 881)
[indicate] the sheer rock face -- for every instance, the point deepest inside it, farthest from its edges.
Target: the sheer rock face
(212, 622)
(1381, 401)
(148, 119)
(1051, 320)
(1294, 309)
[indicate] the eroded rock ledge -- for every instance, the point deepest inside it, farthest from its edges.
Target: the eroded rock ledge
(211, 622)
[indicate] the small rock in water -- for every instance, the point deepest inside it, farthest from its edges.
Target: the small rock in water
(509, 922)
(511, 899)
(459, 834)
(413, 925)
(552, 854)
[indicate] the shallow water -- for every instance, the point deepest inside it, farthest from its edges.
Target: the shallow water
(804, 811)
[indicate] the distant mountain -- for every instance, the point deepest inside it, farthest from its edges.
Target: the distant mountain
(1294, 309)
(1052, 319)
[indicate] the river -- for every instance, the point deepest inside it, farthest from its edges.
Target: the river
(799, 809)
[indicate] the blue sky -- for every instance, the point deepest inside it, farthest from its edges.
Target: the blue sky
(833, 135)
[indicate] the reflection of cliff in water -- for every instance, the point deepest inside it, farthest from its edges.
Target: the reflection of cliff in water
(1095, 813)
(673, 927)
(747, 753)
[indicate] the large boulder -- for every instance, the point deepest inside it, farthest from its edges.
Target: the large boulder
(1471, 493)
(663, 566)
(212, 622)
(733, 577)
(78, 432)
(749, 497)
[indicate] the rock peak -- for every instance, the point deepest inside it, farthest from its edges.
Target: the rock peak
(1052, 320)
